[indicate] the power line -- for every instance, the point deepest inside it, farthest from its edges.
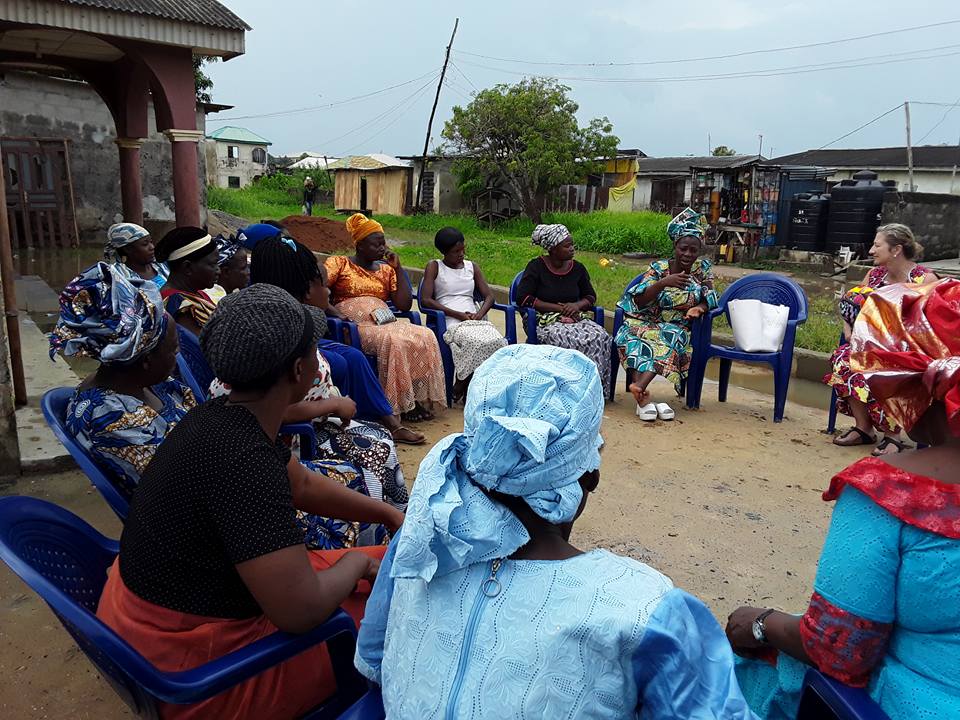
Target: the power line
(296, 111)
(464, 75)
(878, 117)
(396, 118)
(769, 72)
(717, 57)
(940, 121)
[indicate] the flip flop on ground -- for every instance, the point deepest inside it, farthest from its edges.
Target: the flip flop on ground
(854, 436)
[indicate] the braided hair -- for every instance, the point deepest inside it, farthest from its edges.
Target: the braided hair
(285, 263)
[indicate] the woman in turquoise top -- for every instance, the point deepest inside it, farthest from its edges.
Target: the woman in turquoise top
(482, 607)
(130, 249)
(885, 611)
(659, 309)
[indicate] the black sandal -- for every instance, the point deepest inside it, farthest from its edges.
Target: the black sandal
(865, 438)
(878, 451)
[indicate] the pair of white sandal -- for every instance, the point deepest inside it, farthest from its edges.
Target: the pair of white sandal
(652, 411)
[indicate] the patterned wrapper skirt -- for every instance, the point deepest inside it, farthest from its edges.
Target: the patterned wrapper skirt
(175, 641)
(662, 348)
(408, 358)
(586, 336)
(848, 383)
(471, 342)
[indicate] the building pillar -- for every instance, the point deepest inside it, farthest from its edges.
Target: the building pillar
(131, 186)
(186, 169)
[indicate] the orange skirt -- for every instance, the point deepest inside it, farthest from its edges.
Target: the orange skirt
(408, 357)
(174, 641)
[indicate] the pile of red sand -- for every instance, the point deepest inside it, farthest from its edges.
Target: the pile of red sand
(320, 234)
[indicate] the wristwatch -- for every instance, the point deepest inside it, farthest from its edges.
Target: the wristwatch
(759, 632)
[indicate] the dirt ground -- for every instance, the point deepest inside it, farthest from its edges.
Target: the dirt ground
(722, 500)
(320, 234)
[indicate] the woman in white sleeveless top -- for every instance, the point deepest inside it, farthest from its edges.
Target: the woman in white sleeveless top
(452, 285)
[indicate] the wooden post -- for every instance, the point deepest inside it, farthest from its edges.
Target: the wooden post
(10, 297)
(433, 111)
(906, 109)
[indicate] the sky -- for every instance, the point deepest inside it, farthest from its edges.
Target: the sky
(312, 56)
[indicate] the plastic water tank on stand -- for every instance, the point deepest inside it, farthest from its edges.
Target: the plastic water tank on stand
(808, 222)
(855, 207)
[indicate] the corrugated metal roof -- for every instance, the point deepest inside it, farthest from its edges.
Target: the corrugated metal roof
(682, 165)
(201, 12)
(374, 161)
(925, 156)
(232, 133)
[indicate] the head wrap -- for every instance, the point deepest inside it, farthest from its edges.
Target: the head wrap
(258, 231)
(906, 342)
(109, 316)
(549, 236)
(256, 330)
(360, 226)
(531, 429)
(688, 223)
(227, 247)
(121, 235)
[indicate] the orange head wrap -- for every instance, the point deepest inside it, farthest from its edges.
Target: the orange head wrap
(360, 226)
(906, 342)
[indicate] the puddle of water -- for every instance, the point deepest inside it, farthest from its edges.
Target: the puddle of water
(57, 266)
(758, 378)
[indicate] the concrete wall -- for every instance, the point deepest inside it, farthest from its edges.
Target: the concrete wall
(242, 167)
(39, 106)
(934, 219)
(927, 181)
(644, 191)
(446, 197)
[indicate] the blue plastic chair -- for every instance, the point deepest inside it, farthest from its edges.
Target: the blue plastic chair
(54, 406)
(529, 316)
(619, 318)
(437, 321)
(65, 561)
(824, 698)
(195, 372)
(768, 288)
(369, 707)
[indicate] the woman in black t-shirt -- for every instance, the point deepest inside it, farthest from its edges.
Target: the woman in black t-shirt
(211, 557)
(559, 289)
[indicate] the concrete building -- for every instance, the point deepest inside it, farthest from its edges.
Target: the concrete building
(235, 157)
(934, 166)
(133, 54)
(439, 192)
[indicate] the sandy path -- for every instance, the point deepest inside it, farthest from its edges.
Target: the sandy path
(723, 500)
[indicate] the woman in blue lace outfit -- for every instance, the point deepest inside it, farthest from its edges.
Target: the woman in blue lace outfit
(482, 607)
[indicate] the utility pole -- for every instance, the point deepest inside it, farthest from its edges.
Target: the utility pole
(906, 109)
(433, 111)
(760, 149)
(709, 148)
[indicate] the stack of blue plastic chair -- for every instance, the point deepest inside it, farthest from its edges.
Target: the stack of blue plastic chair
(437, 321)
(768, 288)
(529, 316)
(195, 372)
(824, 698)
(65, 561)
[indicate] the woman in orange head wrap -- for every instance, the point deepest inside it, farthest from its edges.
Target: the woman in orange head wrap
(409, 363)
(884, 613)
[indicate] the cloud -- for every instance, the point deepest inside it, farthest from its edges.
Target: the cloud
(696, 15)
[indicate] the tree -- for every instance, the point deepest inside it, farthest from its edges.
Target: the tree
(529, 134)
(723, 151)
(201, 80)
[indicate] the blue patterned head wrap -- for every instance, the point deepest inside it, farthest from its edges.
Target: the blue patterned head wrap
(549, 236)
(108, 316)
(121, 235)
(227, 247)
(531, 429)
(689, 223)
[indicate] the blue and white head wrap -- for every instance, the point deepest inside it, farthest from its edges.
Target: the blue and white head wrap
(108, 315)
(688, 223)
(531, 429)
(227, 247)
(549, 236)
(121, 235)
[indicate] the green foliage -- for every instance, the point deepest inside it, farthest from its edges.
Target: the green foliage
(253, 203)
(723, 151)
(201, 80)
(470, 179)
(528, 133)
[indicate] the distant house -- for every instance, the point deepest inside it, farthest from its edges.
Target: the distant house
(378, 183)
(666, 183)
(934, 166)
(235, 157)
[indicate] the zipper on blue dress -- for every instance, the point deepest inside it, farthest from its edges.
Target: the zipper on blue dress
(489, 588)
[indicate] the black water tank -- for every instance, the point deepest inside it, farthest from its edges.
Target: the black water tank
(855, 207)
(808, 222)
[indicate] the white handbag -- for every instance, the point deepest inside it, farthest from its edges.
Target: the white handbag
(758, 326)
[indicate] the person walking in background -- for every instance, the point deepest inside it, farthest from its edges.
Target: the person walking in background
(309, 195)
